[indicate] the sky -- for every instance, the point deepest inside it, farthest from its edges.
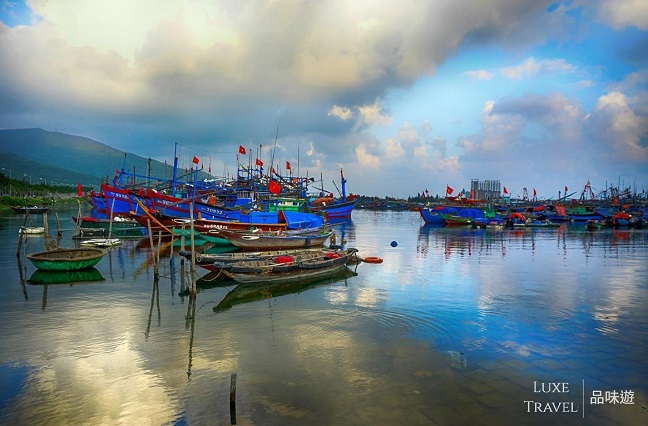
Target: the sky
(404, 96)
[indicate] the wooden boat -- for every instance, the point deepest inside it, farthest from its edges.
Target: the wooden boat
(291, 268)
(31, 230)
(332, 207)
(87, 275)
(101, 242)
(66, 259)
(101, 227)
(218, 261)
(433, 215)
(455, 220)
(252, 292)
(535, 223)
(275, 240)
(30, 209)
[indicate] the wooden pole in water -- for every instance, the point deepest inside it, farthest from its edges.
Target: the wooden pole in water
(20, 235)
(112, 210)
(159, 249)
(45, 223)
(192, 269)
(233, 399)
(150, 232)
(58, 224)
(77, 228)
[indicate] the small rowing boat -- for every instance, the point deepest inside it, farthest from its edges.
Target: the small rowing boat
(66, 259)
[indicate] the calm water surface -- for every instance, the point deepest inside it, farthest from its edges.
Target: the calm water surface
(456, 326)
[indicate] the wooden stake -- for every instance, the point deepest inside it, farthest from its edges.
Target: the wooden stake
(58, 225)
(192, 290)
(21, 236)
(45, 224)
(233, 399)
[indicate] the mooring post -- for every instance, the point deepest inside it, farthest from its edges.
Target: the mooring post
(150, 232)
(21, 236)
(233, 399)
(58, 225)
(157, 252)
(192, 290)
(45, 224)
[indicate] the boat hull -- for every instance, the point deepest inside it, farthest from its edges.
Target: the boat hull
(66, 259)
(292, 271)
(254, 241)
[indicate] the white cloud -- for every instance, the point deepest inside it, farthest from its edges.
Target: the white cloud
(626, 128)
(622, 13)
(366, 159)
(343, 113)
(373, 114)
(531, 67)
(479, 74)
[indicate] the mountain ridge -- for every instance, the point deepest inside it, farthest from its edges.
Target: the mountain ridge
(36, 154)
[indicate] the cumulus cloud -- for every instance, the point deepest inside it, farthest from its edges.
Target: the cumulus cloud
(479, 74)
(622, 13)
(214, 74)
(624, 126)
(532, 67)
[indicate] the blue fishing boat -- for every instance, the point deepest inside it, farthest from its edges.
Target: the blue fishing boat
(334, 207)
(433, 215)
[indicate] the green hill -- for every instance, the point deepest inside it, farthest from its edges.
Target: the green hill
(39, 155)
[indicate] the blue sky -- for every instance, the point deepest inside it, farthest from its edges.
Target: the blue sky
(404, 96)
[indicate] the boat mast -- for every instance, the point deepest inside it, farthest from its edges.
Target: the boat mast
(175, 169)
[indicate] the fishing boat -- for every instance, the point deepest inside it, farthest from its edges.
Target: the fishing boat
(536, 223)
(66, 259)
(291, 268)
(101, 226)
(261, 221)
(218, 261)
(30, 209)
(101, 242)
(331, 207)
(31, 230)
(432, 215)
(252, 292)
(280, 240)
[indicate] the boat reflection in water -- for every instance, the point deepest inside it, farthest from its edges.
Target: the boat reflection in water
(89, 275)
(251, 292)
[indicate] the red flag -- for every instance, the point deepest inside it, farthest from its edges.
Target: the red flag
(79, 190)
(195, 160)
(505, 190)
(426, 191)
(274, 187)
(259, 163)
(534, 192)
(288, 166)
(449, 190)
(272, 170)
(242, 150)
(566, 189)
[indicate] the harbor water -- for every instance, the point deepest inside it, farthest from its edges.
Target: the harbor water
(455, 326)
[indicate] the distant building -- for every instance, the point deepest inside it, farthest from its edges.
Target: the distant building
(485, 189)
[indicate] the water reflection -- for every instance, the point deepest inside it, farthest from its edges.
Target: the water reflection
(246, 293)
(452, 328)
